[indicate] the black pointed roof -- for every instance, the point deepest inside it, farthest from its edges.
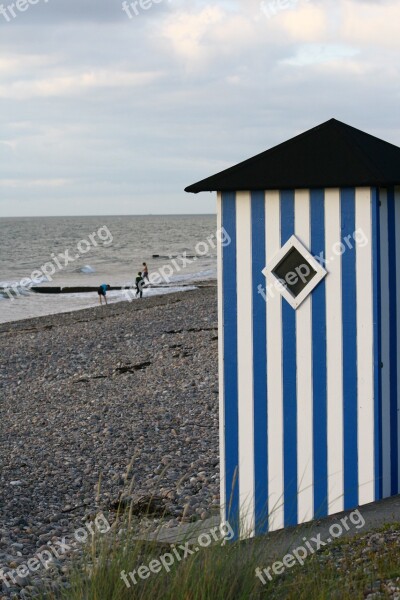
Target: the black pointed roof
(330, 155)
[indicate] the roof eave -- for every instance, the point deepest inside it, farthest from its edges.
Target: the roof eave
(197, 188)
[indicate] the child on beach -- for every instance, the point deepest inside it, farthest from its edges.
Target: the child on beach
(102, 292)
(145, 272)
(139, 285)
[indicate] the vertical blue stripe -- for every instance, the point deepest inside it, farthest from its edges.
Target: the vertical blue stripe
(349, 310)
(394, 462)
(376, 274)
(231, 426)
(289, 378)
(259, 362)
(319, 361)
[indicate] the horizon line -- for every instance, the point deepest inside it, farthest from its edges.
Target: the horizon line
(107, 215)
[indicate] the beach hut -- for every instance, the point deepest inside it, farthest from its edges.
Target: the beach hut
(309, 330)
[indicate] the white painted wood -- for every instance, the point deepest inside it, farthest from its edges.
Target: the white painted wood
(245, 364)
(333, 283)
(221, 364)
(294, 242)
(385, 331)
(304, 374)
(274, 368)
(365, 346)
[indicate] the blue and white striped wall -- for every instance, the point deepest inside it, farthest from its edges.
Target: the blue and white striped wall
(389, 251)
(309, 419)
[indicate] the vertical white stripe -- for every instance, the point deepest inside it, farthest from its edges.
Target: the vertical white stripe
(365, 346)
(385, 328)
(333, 283)
(274, 367)
(221, 365)
(245, 364)
(304, 375)
(397, 208)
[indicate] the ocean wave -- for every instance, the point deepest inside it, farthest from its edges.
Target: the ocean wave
(86, 269)
(197, 276)
(13, 291)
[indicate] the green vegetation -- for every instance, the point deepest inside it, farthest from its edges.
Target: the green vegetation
(347, 569)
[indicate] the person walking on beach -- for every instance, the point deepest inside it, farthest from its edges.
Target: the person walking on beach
(102, 292)
(145, 272)
(139, 285)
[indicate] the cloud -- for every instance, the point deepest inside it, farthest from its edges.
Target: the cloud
(70, 11)
(14, 64)
(308, 23)
(33, 183)
(373, 23)
(78, 83)
(204, 34)
(9, 144)
(188, 32)
(100, 113)
(312, 54)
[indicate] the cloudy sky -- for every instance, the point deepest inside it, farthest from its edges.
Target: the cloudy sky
(104, 111)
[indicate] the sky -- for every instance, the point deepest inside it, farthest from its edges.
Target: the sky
(107, 110)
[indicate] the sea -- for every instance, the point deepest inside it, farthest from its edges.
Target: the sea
(86, 252)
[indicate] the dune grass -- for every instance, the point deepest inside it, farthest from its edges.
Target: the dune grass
(347, 569)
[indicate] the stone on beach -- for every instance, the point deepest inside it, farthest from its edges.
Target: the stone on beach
(102, 406)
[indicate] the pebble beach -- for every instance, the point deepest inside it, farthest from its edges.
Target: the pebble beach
(117, 407)
(102, 406)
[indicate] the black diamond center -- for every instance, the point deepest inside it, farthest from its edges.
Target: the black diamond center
(294, 272)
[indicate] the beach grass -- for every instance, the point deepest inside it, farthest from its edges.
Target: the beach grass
(347, 569)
